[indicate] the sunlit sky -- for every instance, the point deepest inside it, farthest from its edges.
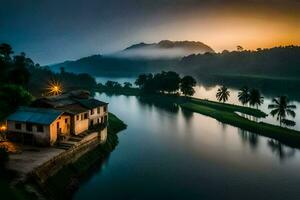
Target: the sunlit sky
(52, 31)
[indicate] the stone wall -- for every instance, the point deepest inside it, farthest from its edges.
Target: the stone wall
(53, 165)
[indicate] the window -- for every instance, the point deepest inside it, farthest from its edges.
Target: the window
(92, 111)
(66, 120)
(81, 116)
(28, 127)
(40, 128)
(105, 108)
(85, 115)
(77, 117)
(98, 110)
(18, 126)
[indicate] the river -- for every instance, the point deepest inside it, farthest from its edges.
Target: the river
(166, 153)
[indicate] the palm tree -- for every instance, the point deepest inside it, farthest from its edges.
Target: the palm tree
(255, 98)
(281, 108)
(223, 94)
(244, 95)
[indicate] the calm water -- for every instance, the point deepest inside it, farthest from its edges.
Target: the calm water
(166, 153)
(210, 93)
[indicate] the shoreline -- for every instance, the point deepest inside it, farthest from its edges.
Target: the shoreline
(225, 113)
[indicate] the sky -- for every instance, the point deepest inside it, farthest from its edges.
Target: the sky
(52, 31)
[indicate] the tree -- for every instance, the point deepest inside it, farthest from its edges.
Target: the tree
(255, 98)
(5, 51)
(186, 85)
(19, 74)
(141, 80)
(127, 85)
(239, 48)
(12, 96)
(244, 95)
(170, 81)
(223, 94)
(282, 108)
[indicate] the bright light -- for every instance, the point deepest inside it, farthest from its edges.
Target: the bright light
(54, 88)
(3, 128)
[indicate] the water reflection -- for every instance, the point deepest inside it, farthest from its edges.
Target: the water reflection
(167, 153)
(248, 137)
(166, 104)
(282, 151)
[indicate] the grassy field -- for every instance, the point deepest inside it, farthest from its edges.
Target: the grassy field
(229, 107)
(287, 136)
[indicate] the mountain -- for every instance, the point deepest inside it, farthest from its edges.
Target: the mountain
(165, 49)
(136, 59)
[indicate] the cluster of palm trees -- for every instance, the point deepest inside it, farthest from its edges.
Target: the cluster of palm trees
(281, 107)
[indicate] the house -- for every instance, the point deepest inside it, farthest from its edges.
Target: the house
(38, 125)
(79, 111)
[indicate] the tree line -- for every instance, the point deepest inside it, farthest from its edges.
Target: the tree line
(166, 82)
(281, 108)
(277, 61)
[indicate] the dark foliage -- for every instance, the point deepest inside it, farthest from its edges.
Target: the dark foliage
(166, 82)
(277, 61)
(186, 85)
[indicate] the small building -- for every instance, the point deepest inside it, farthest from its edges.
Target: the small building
(38, 126)
(73, 113)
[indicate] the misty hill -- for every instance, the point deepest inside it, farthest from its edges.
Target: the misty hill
(165, 49)
(269, 63)
(274, 62)
(99, 65)
(136, 59)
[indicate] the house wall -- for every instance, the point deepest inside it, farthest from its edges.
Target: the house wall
(64, 126)
(96, 117)
(48, 136)
(40, 138)
(80, 123)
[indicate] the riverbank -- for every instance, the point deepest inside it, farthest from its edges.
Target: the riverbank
(226, 113)
(284, 135)
(67, 179)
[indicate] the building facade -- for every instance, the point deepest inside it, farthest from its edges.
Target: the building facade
(53, 119)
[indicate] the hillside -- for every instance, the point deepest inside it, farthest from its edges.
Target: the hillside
(274, 62)
(165, 49)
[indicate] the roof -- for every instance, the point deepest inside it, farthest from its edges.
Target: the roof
(73, 102)
(35, 115)
(73, 109)
(91, 103)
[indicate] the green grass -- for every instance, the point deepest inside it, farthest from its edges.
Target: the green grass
(229, 107)
(287, 136)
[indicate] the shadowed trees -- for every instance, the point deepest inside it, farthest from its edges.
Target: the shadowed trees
(187, 85)
(223, 94)
(255, 98)
(244, 95)
(127, 85)
(166, 82)
(12, 96)
(281, 108)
